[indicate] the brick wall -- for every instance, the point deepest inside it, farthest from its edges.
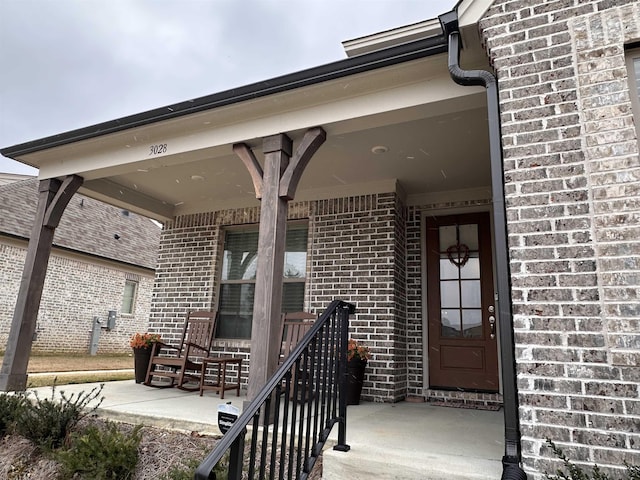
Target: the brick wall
(572, 177)
(358, 256)
(76, 289)
(356, 253)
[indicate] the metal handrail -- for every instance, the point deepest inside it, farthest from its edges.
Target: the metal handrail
(294, 412)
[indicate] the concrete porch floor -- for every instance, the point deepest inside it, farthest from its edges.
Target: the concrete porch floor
(388, 441)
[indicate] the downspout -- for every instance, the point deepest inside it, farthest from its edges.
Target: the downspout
(511, 458)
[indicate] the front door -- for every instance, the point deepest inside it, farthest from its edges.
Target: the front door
(462, 320)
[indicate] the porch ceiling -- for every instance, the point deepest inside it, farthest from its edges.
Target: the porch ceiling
(435, 133)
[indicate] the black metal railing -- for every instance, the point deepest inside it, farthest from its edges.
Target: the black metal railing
(290, 419)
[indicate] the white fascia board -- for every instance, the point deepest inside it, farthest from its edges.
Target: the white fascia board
(471, 11)
(127, 151)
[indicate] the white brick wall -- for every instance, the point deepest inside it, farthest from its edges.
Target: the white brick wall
(76, 289)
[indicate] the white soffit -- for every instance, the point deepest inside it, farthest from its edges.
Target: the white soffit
(389, 38)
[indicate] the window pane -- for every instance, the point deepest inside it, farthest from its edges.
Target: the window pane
(471, 293)
(236, 310)
(447, 237)
(471, 269)
(129, 296)
(240, 256)
(450, 323)
(449, 295)
(448, 270)
(472, 323)
(237, 289)
(469, 235)
(293, 297)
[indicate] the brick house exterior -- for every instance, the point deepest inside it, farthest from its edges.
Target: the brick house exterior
(572, 177)
(86, 274)
(570, 165)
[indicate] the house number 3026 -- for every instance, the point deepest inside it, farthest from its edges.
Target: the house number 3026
(157, 149)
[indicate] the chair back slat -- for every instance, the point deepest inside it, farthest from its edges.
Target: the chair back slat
(294, 326)
(200, 328)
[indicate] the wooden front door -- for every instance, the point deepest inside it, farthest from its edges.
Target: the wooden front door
(462, 319)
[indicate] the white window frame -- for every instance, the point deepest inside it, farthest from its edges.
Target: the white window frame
(128, 284)
(633, 70)
(286, 280)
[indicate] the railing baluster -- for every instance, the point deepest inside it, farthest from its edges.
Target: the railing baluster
(299, 405)
(266, 413)
(285, 420)
(254, 445)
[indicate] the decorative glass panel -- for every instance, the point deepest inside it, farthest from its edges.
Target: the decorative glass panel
(471, 269)
(450, 323)
(471, 293)
(469, 235)
(449, 294)
(448, 271)
(460, 288)
(448, 236)
(472, 323)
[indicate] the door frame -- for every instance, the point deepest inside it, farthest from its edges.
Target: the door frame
(423, 282)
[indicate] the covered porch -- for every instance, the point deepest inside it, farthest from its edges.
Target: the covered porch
(401, 440)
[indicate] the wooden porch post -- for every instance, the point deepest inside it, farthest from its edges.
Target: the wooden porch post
(275, 186)
(53, 198)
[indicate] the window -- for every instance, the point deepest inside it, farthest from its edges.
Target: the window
(237, 284)
(129, 297)
(633, 67)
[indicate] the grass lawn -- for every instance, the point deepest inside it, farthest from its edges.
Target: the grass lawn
(39, 363)
(75, 362)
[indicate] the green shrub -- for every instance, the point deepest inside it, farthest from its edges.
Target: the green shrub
(574, 472)
(48, 422)
(10, 407)
(101, 453)
(187, 470)
(182, 472)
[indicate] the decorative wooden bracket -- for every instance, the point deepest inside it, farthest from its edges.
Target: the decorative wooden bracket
(61, 199)
(310, 144)
(253, 166)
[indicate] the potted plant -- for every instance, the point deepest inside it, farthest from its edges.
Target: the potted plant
(357, 356)
(142, 344)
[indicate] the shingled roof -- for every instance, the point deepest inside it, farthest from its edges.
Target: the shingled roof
(87, 226)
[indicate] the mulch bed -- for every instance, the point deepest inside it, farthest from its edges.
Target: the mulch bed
(159, 451)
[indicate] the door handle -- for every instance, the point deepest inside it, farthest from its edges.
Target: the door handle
(492, 326)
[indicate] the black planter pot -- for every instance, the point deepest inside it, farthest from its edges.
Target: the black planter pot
(141, 358)
(355, 379)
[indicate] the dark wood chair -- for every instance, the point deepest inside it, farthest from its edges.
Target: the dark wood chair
(182, 364)
(294, 326)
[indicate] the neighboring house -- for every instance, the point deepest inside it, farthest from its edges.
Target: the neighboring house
(477, 278)
(103, 259)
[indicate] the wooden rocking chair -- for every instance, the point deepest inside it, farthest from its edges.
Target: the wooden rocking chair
(295, 325)
(179, 362)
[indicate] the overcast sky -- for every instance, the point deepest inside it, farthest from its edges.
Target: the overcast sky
(67, 64)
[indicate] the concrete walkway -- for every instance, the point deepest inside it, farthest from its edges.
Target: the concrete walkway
(388, 441)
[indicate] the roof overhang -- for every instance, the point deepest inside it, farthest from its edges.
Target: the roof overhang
(400, 97)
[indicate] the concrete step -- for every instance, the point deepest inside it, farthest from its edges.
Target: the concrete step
(367, 462)
(417, 441)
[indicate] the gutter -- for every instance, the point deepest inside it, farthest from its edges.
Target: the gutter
(343, 68)
(512, 456)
